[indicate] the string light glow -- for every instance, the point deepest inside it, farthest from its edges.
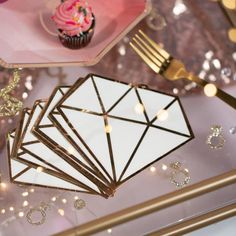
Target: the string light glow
(162, 115)
(39, 169)
(108, 128)
(11, 208)
(21, 214)
(25, 194)
(210, 90)
(64, 200)
(3, 211)
(3, 185)
(152, 168)
(139, 108)
(61, 212)
(54, 199)
(230, 4)
(25, 203)
(164, 167)
(71, 150)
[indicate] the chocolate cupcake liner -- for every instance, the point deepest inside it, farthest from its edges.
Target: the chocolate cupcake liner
(77, 42)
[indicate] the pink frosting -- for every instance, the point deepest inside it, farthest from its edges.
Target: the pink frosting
(73, 17)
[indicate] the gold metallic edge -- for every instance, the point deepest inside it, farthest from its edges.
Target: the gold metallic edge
(197, 222)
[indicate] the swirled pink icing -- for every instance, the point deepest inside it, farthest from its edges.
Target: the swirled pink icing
(73, 17)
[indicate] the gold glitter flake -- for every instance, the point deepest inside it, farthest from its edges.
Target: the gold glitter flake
(10, 105)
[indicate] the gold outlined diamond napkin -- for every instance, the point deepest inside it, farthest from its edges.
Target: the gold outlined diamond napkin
(31, 150)
(47, 133)
(101, 115)
(23, 173)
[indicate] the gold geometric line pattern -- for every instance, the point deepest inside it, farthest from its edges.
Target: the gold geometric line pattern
(51, 143)
(124, 119)
(30, 166)
(148, 124)
(107, 133)
(141, 102)
(56, 171)
(106, 115)
(60, 112)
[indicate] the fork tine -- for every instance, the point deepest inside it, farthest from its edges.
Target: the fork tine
(145, 58)
(148, 54)
(151, 50)
(165, 54)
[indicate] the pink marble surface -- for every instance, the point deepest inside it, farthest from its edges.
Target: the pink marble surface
(23, 39)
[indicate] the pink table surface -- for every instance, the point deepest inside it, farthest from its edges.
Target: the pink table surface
(24, 42)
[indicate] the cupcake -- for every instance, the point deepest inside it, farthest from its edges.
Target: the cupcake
(75, 22)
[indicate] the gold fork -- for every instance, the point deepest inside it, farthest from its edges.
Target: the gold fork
(163, 63)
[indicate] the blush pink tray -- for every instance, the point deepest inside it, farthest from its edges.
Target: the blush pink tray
(28, 35)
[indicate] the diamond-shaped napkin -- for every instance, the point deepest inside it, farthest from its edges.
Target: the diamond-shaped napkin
(47, 133)
(23, 173)
(119, 124)
(93, 136)
(36, 154)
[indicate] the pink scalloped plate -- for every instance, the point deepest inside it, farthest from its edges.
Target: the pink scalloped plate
(28, 35)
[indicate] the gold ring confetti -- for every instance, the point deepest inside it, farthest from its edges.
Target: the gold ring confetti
(79, 204)
(177, 170)
(216, 140)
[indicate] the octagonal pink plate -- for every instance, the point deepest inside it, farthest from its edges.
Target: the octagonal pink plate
(28, 35)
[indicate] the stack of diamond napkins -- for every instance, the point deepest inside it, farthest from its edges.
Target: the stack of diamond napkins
(93, 136)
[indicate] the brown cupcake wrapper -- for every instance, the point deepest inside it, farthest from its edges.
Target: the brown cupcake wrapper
(77, 42)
